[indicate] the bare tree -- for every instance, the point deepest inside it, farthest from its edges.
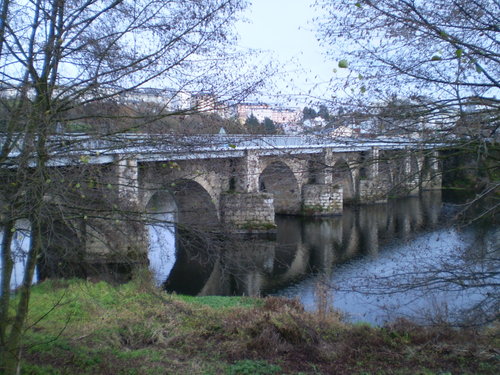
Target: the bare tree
(59, 56)
(428, 70)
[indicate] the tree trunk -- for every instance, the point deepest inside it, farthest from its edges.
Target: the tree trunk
(7, 266)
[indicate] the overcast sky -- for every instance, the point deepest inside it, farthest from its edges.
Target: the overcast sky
(285, 29)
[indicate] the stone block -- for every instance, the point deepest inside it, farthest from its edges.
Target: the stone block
(372, 191)
(321, 199)
(248, 211)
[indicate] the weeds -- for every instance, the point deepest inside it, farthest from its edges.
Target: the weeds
(131, 329)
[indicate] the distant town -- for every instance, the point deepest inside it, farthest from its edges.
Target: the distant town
(283, 120)
(179, 111)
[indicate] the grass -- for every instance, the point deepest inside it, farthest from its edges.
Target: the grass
(78, 327)
(220, 302)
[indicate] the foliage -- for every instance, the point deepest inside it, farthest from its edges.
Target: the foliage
(308, 113)
(397, 40)
(128, 330)
(323, 112)
(254, 126)
(221, 302)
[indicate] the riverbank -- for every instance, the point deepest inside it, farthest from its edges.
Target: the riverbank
(79, 327)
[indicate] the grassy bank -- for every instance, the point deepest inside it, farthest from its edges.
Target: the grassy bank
(79, 327)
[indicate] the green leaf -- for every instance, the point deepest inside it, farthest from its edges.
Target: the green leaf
(232, 146)
(362, 89)
(436, 58)
(443, 34)
(478, 69)
(358, 4)
(343, 64)
(360, 76)
(459, 52)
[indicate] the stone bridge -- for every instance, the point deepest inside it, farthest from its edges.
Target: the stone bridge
(221, 184)
(239, 184)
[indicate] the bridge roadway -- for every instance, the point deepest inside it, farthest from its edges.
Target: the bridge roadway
(73, 148)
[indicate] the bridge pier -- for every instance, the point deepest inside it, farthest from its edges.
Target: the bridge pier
(430, 176)
(372, 187)
(252, 211)
(127, 174)
(118, 235)
(412, 176)
(372, 191)
(246, 208)
(321, 199)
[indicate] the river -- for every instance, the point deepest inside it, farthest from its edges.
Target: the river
(374, 263)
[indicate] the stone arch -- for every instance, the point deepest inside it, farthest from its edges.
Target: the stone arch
(298, 167)
(342, 176)
(213, 193)
(150, 188)
(183, 220)
(196, 207)
(278, 178)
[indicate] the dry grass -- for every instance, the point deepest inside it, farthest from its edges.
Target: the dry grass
(133, 329)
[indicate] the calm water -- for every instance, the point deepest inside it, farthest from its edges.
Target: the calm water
(368, 261)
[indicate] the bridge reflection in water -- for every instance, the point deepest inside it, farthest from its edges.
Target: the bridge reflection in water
(347, 253)
(303, 246)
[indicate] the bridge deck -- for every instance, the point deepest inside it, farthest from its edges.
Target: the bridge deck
(74, 149)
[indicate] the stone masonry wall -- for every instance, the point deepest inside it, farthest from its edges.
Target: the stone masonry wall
(373, 191)
(248, 210)
(319, 199)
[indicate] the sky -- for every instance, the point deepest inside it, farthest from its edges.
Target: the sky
(285, 30)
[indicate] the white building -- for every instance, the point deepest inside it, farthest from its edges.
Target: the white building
(261, 111)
